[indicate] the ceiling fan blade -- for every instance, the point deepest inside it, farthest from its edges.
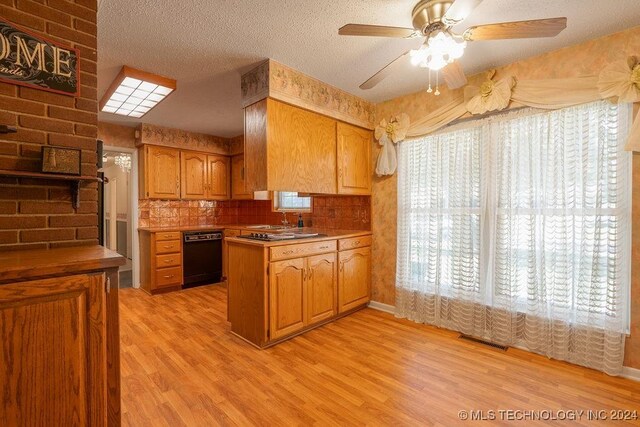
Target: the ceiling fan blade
(453, 75)
(517, 30)
(384, 72)
(376, 31)
(459, 11)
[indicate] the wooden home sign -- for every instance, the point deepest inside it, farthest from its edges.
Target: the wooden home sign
(29, 60)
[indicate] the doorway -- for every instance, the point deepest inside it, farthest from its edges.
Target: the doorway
(119, 210)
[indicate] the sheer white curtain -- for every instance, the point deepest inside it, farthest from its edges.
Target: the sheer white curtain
(516, 229)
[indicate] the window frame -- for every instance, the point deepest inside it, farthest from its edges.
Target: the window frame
(275, 200)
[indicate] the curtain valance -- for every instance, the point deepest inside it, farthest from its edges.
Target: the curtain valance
(619, 82)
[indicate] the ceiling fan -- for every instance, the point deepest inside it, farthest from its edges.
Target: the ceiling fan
(434, 19)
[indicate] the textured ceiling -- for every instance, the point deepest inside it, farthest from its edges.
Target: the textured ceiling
(206, 44)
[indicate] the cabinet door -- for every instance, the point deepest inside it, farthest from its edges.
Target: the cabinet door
(322, 287)
(354, 278)
(287, 309)
(218, 181)
(53, 352)
(238, 190)
(301, 153)
(354, 159)
(163, 172)
(193, 171)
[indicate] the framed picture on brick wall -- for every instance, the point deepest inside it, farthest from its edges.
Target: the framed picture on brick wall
(61, 160)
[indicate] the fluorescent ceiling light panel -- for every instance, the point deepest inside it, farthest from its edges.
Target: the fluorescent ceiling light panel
(134, 92)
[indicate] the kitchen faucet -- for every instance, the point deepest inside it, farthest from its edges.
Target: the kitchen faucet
(284, 221)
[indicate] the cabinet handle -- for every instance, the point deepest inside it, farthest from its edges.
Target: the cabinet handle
(169, 276)
(287, 252)
(341, 266)
(356, 243)
(309, 274)
(324, 247)
(167, 236)
(167, 261)
(304, 275)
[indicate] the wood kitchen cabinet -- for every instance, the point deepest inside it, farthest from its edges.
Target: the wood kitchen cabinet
(277, 290)
(160, 261)
(289, 149)
(59, 337)
(354, 277)
(354, 159)
(54, 339)
(238, 188)
(169, 173)
(322, 288)
(218, 177)
(160, 172)
(193, 173)
(287, 297)
(302, 292)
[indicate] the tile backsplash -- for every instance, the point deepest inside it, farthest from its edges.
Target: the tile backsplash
(344, 212)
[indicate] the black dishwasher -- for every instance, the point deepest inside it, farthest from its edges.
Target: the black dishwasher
(202, 257)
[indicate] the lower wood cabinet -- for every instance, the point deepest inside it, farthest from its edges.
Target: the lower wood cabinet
(277, 291)
(53, 338)
(322, 287)
(59, 337)
(302, 292)
(287, 297)
(160, 261)
(354, 278)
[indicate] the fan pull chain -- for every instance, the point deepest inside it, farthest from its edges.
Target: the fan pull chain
(437, 92)
(429, 90)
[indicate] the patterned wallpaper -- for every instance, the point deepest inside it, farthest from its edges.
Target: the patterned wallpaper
(587, 58)
(169, 137)
(278, 81)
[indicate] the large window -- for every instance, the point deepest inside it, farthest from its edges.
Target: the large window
(528, 212)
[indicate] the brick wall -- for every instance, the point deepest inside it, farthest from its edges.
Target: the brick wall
(344, 212)
(35, 213)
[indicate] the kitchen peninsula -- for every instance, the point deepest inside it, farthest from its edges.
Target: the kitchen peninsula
(278, 289)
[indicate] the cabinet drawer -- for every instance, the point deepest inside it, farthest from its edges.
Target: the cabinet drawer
(354, 242)
(168, 235)
(303, 249)
(170, 260)
(231, 232)
(168, 276)
(167, 247)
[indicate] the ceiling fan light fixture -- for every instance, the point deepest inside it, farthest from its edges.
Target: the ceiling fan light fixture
(438, 51)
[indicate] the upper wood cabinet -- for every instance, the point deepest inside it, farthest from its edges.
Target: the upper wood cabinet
(169, 173)
(193, 171)
(289, 149)
(218, 174)
(238, 189)
(160, 172)
(354, 159)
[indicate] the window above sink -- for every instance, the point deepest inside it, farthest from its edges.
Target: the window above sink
(289, 201)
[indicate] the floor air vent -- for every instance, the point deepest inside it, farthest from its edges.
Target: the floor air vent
(481, 341)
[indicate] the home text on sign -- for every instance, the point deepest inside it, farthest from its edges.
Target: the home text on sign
(30, 60)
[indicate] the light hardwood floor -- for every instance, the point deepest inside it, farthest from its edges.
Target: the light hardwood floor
(182, 367)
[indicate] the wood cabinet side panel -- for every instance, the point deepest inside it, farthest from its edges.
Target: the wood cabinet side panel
(247, 292)
(255, 146)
